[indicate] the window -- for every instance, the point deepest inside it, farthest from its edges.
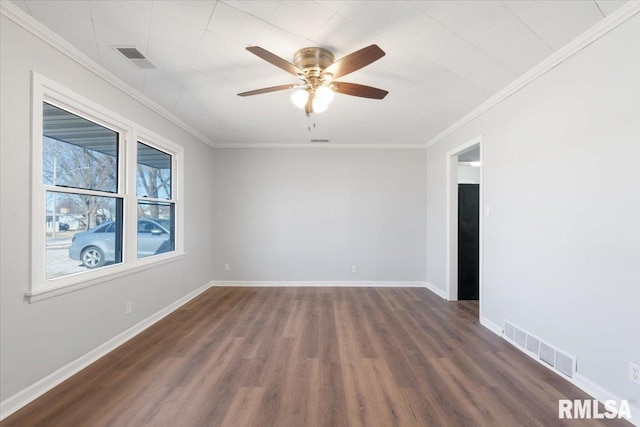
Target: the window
(102, 206)
(80, 177)
(156, 206)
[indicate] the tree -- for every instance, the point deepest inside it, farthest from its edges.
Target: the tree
(69, 165)
(154, 183)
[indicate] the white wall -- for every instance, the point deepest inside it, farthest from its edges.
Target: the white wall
(39, 338)
(561, 173)
(309, 214)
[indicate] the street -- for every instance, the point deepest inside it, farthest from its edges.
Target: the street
(58, 262)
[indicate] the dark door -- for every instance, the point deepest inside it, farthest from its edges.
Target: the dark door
(468, 241)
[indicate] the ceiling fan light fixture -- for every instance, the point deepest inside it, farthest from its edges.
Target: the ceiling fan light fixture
(319, 106)
(324, 94)
(299, 98)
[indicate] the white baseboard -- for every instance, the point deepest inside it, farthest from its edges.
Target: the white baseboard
(37, 389)
(602, 394)
(593, 389)
(320, 283)
(440, 292)
(491, 326)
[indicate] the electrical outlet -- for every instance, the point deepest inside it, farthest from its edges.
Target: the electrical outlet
(354, 268)
(226, 267)
(634, 372)
(128, 307)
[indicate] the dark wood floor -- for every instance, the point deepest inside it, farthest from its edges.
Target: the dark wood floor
(310, 357)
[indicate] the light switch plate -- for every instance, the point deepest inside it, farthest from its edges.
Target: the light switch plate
(634, 372)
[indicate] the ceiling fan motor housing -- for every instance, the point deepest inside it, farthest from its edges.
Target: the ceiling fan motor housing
(313, 60)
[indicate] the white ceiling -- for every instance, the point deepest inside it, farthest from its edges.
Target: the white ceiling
(443, 58)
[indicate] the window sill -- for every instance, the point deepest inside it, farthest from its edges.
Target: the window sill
(105, 274)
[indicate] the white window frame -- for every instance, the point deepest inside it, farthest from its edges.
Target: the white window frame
(46, 90)
(175, 151)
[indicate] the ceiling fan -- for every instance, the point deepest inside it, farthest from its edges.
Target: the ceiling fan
(317, 69)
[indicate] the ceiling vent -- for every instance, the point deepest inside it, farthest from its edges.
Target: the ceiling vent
(135, 57)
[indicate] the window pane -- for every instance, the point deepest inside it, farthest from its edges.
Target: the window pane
(154, 173)
(82, 232)
(156, 230)
(77, 152)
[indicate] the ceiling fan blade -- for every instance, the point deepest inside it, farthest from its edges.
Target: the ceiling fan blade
(267, 90)
(354, 61)
(362, 91)
(275, 60)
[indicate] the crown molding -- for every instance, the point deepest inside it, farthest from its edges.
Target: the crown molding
(17, 15)
(321, 145)
(30, 24)
(618, 17)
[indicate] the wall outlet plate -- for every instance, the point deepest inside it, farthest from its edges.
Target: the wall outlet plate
(634, 372)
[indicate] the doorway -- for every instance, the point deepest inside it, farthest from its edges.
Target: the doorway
(464, 222)
(468, 240)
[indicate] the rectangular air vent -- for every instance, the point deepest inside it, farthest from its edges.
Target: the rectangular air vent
(130, 52)
(547, 354)
(509, 331)
(533, 344)
(521, 338)
(565, 364)
(135, 57)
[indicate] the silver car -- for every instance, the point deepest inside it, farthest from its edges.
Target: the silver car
(96, 246)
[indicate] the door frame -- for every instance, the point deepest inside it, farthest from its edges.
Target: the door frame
(452, 218)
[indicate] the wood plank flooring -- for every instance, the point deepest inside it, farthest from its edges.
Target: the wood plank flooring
(311, 357)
